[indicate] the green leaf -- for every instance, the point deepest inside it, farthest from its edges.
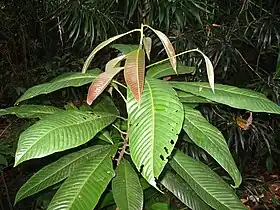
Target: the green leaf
(68, 80)
(84, 187)
(232, 96)
(126, 188)
(104, 103)
(165, 69)
(57, 171)
(125, 48)
(102, 45)
(206, 183)
(154, 126)
(104, 79)
(29, 111)
(183, 191)
(168, 47)
(59, 132)
(160, 206)
(3, 160)
(134, 72)
(190, 98)
(277, 73)
(105, 136)
(147, 42)
(209, 138)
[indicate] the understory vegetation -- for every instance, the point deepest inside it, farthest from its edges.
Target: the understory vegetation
(139, 104)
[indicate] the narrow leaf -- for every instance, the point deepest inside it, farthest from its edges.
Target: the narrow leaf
(59, 132)
(125, 48)
(57, 171)
(103, 80)
(232, 96)
(134, 72)
(29, 111)
(147, 42)
(126, 188)
(153, 127)
(176, 185)
(206, 183)
(63, 81)
(168, 48)
(209, 138)
(165, 69)
(102, 45)
(84, 187)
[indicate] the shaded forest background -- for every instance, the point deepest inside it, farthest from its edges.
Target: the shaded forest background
(42, 39)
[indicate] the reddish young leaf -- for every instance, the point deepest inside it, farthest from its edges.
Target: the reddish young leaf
(103, 80)
(134, 72)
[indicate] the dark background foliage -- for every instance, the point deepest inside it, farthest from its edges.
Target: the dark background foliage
(42, 39)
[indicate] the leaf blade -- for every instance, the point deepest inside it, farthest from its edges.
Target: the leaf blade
(147, 42)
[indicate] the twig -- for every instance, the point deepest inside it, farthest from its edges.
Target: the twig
(7, 191)
(122, 132)
(125, 144)
(6, 129)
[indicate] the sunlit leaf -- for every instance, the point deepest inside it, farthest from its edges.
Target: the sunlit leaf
(84, 187)
(232, 96)
(209, 138)
(57, 171)
(165, 69)
(59, 132)
(102, 45)
(206, 183)
(29, 111)
(103, 79)
(134, 72)
(154, 126)
(126, 188)
(147, 42)
(72, 79)
(176, 185)
(168, 48)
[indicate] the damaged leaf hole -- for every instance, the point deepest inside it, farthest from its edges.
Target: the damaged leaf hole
(161, 157)
(141, 169)
(166, 150)
(171, 142)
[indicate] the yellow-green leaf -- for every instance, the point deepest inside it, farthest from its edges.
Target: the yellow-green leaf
(147, 41)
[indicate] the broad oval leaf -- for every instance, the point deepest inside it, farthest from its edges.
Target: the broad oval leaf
(59, 132)
(134, 72)
(103, 79)
(101, 45)
(168, 48)
(154, 126)
(209, 138)
(57, 171)
(67, 80)
(29, 111)
(232, 96)
(147, 42)
(178, 187)
(125, 48)
(190, 98)
(83, 188)
(206, 183)
(126, 188)
(165, 69)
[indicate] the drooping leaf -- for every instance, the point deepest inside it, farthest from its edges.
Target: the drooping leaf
(232, 96)
(153, 127)
(102, 45)
(178, 187)
(59, 132)
(165, 69)
(83, 188)
(134, 72)
(126, 187)
(209, 138)
(68, 80)
(29, 111)
(125, 48)
(57, 171)
(206, 183)
(103, 79)
(190, 98)
(147, 42)
(168, 48)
